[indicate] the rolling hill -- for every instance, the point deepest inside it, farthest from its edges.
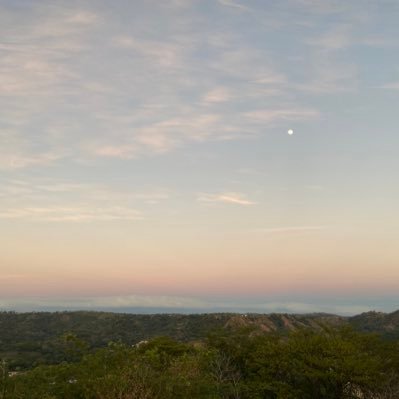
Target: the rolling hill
(29, 339)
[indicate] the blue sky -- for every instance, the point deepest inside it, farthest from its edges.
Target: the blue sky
(144, 153)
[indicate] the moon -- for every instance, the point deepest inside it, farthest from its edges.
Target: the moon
(290, 132)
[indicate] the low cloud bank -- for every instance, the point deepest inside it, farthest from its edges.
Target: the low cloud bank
(177, 304)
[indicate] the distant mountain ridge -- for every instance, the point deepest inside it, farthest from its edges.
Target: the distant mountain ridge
(28, 339)
(386, 324)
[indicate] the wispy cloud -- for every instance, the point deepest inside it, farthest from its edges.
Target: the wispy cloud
(218, 95)
(71, 214)
(113, 112)
(228, 198)
(49, 194)
(170, 134)
(183, 304)
(322, 7)
(105, 302)
(14, 276)
(135, 96)
(328, 76)
(142, 101)
(11, 161)
(233, 4)
(274, 115)
(166, 54)
(336, 39)
(290, 229)
(380, 41)
(48, 200)
(390, 86)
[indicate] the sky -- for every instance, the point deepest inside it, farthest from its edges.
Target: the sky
(145, 161)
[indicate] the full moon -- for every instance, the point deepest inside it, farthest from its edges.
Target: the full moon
(290, 132)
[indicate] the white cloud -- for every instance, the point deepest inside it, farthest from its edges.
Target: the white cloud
(180, 303)
(228, 198)
(323, 7)
(48, 200)
(327, 76)
(14, 276)
(72, 78)
(70, 214)
(12, 161)
(54, 96)
(289, 114)
(289, 229)
(60, 22)
(380, 41)
(166, 54)
(169, 134)
(390, 86)
(31, 199)
(147, 301)
(112, 151)
(82, 17)
(335, 39)
(233, 4)
(271, 78)
(218, 95)
(125, 301)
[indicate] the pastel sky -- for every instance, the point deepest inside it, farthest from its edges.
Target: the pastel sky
(145, 160)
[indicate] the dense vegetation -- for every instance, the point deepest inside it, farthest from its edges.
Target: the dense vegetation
(229, 363)
(31, 339)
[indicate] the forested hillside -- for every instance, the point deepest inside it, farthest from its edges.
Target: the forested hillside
(334, 363)
(30, 339)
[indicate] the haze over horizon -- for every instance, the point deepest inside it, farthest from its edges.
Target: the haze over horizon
(145, 160)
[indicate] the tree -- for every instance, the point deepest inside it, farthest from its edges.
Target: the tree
(4, 379)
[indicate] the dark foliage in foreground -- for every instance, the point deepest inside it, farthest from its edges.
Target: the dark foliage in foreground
(306, 364)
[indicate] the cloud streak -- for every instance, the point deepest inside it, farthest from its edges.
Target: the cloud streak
(71, 214)
(290, 229)
(390, 86)
(233, 4)
(46, 200)
(166, 304)
(227, 198)
(54, 97)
